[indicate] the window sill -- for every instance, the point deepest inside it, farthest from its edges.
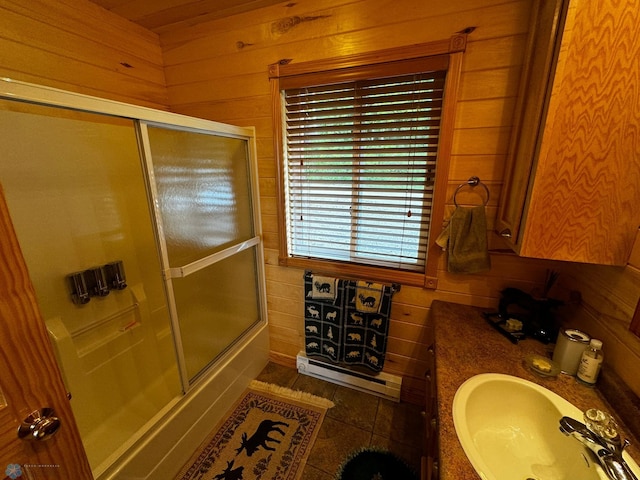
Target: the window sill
(358, 271)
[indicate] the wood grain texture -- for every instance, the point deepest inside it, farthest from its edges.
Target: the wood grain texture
(156, 15)
(348, 27)
(209, 76)
(78, 46)
(445, 149)
(610, 303)
(584, 202)
(30, 379)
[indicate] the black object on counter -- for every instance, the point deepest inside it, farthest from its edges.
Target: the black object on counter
(538, 320)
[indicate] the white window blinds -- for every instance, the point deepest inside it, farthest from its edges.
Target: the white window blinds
(360, 169)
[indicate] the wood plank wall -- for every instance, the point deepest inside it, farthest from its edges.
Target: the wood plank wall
(218, 70)
(77, 46)
(609, 299)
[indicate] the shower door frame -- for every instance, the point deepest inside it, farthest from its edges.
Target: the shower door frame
(16, 90)
(170, 273)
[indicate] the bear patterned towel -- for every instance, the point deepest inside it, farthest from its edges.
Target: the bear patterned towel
(323, 318)
(368, 296)
(365, 331)
(348, 330)
(323, 288)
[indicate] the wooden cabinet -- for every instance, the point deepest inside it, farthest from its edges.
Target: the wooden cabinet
(572, 181)
(430, 453)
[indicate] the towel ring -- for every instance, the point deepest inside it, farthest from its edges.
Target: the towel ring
(472, 182)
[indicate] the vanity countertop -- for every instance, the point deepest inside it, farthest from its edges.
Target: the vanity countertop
(466, 345)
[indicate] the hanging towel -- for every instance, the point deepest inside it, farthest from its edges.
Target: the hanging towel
(323, 288)
(365, 332)
(368, 296)
(323, 319)
(465, 240)
(338, 331)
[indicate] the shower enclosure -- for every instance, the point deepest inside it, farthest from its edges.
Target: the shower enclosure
(141, 233)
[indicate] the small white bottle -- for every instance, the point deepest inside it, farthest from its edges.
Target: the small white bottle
(591, 363)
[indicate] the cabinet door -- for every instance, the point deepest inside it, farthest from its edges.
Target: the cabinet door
(547, 19)
(429, 467)
(584, 191)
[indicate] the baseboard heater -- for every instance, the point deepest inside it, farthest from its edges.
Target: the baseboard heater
(382, 384)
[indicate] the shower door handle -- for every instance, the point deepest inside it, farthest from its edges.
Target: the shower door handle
(39, 425)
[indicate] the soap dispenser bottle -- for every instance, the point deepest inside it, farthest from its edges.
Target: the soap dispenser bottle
(591, 363)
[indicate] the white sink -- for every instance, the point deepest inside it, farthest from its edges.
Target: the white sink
(509, 430)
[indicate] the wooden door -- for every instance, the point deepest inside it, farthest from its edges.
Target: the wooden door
(29, 377)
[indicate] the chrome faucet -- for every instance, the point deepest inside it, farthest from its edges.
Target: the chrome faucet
(605, 444)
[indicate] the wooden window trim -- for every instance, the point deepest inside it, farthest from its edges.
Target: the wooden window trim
(346, 67)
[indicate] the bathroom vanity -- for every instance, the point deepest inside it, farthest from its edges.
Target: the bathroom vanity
(465, 345)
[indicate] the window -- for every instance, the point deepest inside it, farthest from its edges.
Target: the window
(360, 146)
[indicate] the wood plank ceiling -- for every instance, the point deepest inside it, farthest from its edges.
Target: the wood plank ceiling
(157, 15)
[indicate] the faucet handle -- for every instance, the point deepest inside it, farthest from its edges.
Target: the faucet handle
(602, 424)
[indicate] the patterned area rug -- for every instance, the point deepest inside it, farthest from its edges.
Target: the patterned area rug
(267, 435)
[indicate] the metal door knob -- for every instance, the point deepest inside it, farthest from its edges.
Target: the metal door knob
(506, 233)
(39, 425)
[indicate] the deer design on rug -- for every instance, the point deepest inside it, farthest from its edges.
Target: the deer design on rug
(261, 437)
(229, 473)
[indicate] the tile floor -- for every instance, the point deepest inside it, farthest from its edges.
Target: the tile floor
(357, 420)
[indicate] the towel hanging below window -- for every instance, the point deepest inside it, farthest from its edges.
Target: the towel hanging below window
(352, 328)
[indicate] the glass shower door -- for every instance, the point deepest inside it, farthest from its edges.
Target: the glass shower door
(203, 192)
(75, 188)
